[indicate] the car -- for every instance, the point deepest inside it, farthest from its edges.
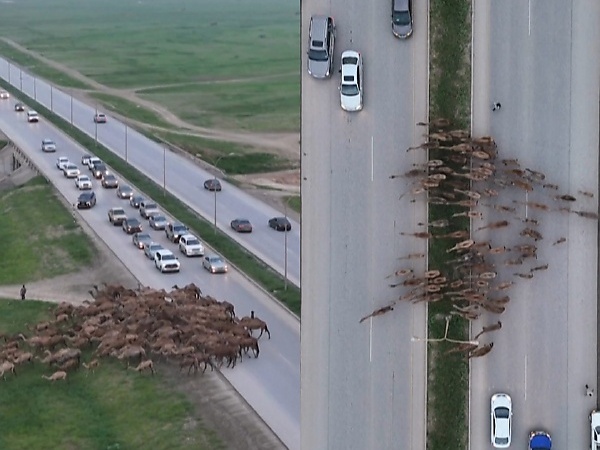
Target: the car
(158, 222)
(32, 116)
(166, 261)
(595, 425)
(241, 225)
(83, 182)
(280, 224)
(85, 159)
(351, 90)
(125, 191)
(150, 248)
(212, 184)
(141, 239)
(136, 200)
(214, 264)
(91, 161)
(175, 230)
(190, 245)
(100, 118)
(321, 40)
(19, 107)
(70, 170)
(501, 412)
(540, 440)
(100, 170)
(86, 200)
(131, 225)
(48, 145)
(117, 215)
(61, 162)
(402, 20)
(4, 95)
(109, 181)
(148, 208)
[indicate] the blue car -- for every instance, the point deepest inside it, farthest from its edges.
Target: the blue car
(539, 440)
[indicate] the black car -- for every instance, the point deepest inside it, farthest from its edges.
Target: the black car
(136, 200)
(131, 226)
(86, 200)
(19, 107)
(241, 225)
(212, 184)
(280, 224)
(99, 170)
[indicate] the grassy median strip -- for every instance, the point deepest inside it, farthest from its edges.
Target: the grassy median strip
(109, 409)
(253, 267)
(450, 81)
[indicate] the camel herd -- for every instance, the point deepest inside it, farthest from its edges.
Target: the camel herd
(182, 325)
(481, 199)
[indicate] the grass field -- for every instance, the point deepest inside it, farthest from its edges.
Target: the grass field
(39, 237)
(110, 409)
(195, 44)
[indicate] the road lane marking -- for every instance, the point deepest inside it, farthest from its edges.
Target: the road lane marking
(371, 340)
(372, 162)
(529, 18)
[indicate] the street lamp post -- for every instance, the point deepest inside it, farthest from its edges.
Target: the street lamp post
(8, 72)
(51, 95)
(21, 79)
(96, 126)
(215, 188)
(34, 89)
(71, 108)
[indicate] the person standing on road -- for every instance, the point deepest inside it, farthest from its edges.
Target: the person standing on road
(23, 292)
(496, 106)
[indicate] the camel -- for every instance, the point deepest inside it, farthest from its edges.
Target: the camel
(461, 245)
(565, 197)
(489, 328)
(94, 363)
(377, 312)
(524, 275)
(400, 273)
(464, 347)
(469, 214)
(481, 351)
(7, 366)
(147, 364)
(69, 364)
(494, 225)
(130, 352)
(587, 215)
(441, 223)
(59, 375)
(560, 241)
(23, 357)
(255, 324)
(586, 194)
(248, 343)
(542, 267)
(551, 186)
(420, 235)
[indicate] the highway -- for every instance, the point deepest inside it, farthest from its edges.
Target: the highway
(363, 385)
(271, 383)
(539, 59)
(181, 178)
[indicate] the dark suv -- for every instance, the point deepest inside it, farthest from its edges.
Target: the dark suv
(86, 200)
(321, 38)
(175, 230)
(280, 224)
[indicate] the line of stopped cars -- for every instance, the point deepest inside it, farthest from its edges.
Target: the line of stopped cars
(321, 44)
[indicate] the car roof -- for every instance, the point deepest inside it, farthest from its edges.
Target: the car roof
(401, 5)
(540, 440)
(164, 251)
(318, 31)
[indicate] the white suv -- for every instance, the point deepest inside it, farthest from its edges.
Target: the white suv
(190, 245)
(166, 261)
(32, 116)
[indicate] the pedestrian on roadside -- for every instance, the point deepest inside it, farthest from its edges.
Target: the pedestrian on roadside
(23, 292)
(589, 392)
(496, 106)
(252, 314)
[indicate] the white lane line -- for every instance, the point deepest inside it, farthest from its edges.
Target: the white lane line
(529, 17)
(525, 381)
(372, 162)
(371, 340)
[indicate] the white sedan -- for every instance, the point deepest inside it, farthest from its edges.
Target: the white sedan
(70, 170)
(61, 162)
(501, 420)
(4, 95)
(351, 90)
(83, 182)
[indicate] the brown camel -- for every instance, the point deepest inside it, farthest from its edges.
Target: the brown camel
(147, 364)
(377, 312)
(255, 323)
(489, 328)
(59, 375)
(494, 225)
(481, 351)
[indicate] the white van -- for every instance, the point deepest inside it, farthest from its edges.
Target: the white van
(32, 116)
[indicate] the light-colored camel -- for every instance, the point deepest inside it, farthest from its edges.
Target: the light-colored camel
(23, 357)
(94, 363)
(58, 375)
(147, 364)
(7, 366)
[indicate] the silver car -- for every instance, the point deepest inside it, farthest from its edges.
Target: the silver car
(158, 221)
(214, 264)
(48, 145)
(141, 239)
(321, 39)
(151, 248)
(402, 21)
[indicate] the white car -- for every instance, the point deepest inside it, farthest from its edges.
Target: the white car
(83, 182)
(595, 424)
(32, 116)
(190, 245)
(61, 162)
(351, 90)
(501, 413)
(48, 145)
(4, 95)
(70, 170)
(166, 261)
(92, 160)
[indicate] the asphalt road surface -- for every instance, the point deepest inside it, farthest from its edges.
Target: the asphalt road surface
(539, 60)
(181, 178)
(271, 383)
(363, 385)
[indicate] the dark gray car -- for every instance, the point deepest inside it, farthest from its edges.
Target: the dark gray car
(321, 39)
(402, 20)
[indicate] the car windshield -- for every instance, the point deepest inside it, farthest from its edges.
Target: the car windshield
(502, 413)
(352, 60)
(179, 227)
(350, 90)
(318, 55)
(168, 256)
(118, 211)
(158, 218)
(401, 18)
(151, 206)
(193, 242)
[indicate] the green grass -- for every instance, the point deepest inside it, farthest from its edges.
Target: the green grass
(245, 52)
(128, 109)
(39, 238)
(294, 202)
(110, 409)
(34, 65)
(268, 279)
(448, 382)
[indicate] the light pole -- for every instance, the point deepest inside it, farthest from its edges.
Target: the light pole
(51, 103)
(8, 72)
(34, 89)
(285, 246)
(71, 107)
(215, 188)
(21, 79)
(96, 126)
